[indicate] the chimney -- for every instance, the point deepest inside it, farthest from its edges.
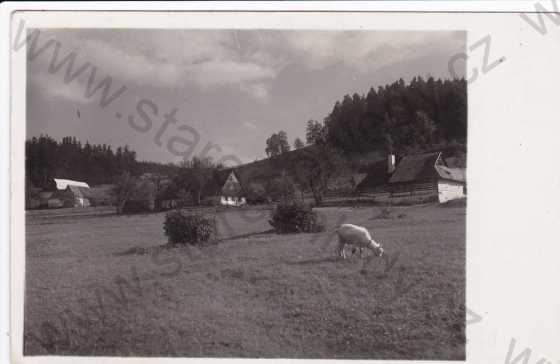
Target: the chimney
(390, 163)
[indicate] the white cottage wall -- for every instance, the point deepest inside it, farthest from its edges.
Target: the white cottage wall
(450, 190)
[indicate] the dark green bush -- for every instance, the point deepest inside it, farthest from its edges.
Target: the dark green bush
(295, 217)
(185, 228)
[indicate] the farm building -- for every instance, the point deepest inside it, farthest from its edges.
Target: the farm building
(427, 175)
(225, 189)
(59, 193)
(377, 178)
(70, 194)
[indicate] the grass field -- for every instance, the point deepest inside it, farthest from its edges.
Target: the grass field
(100, 284)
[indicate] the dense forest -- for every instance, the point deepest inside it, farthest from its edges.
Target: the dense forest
(46, 158)
(401, 117)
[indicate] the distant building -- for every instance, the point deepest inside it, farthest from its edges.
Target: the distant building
(427, 174)
(225, 189)
(377, 178)
(69, 193)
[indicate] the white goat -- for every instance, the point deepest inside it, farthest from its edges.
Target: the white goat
(358, 236)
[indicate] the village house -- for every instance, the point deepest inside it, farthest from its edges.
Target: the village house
(225, 189)
(71, 193)
(63, 193)
(427, 175)
(421, 176)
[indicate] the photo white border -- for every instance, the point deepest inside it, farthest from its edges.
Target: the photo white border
(485, 246)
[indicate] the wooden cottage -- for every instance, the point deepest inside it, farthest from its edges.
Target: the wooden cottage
(427, 175)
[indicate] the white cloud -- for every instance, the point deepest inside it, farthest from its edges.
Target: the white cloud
(249, 125)
(212, 73)
(364, 51)
(210, 59)
(53, 87)
(256, 90)
(207, 59)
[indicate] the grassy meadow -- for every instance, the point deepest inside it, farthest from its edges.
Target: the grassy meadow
(101, 284)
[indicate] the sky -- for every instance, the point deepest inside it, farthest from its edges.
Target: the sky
(224, 91)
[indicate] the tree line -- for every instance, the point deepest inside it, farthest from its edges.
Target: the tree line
(399, 118)
(46, 158)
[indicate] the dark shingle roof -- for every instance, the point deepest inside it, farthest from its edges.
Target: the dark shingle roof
(217, 186)
(424, 167)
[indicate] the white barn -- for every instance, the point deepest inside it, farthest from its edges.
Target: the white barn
(71, 192)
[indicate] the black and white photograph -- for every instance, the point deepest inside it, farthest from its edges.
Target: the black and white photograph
(256, 193)
(281, 186)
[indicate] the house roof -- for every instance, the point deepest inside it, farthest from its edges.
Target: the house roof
(61, 184)
(220, 186)
(232, 186)
(426, 166)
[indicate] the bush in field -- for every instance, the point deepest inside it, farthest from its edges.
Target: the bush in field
(184, 228)
(295, 218)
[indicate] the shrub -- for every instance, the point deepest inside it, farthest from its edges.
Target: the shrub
(256, 194)
(184, 228)
(295, 218)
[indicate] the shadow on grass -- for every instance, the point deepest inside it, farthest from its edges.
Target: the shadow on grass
(332, 259)
(248, 235)
(135, 250)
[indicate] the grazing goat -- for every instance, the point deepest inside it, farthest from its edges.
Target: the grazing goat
(358, 236)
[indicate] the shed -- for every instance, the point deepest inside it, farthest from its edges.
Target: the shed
(427, 174)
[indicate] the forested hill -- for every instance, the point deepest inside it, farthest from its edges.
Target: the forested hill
(401, 117)
(45, 158)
